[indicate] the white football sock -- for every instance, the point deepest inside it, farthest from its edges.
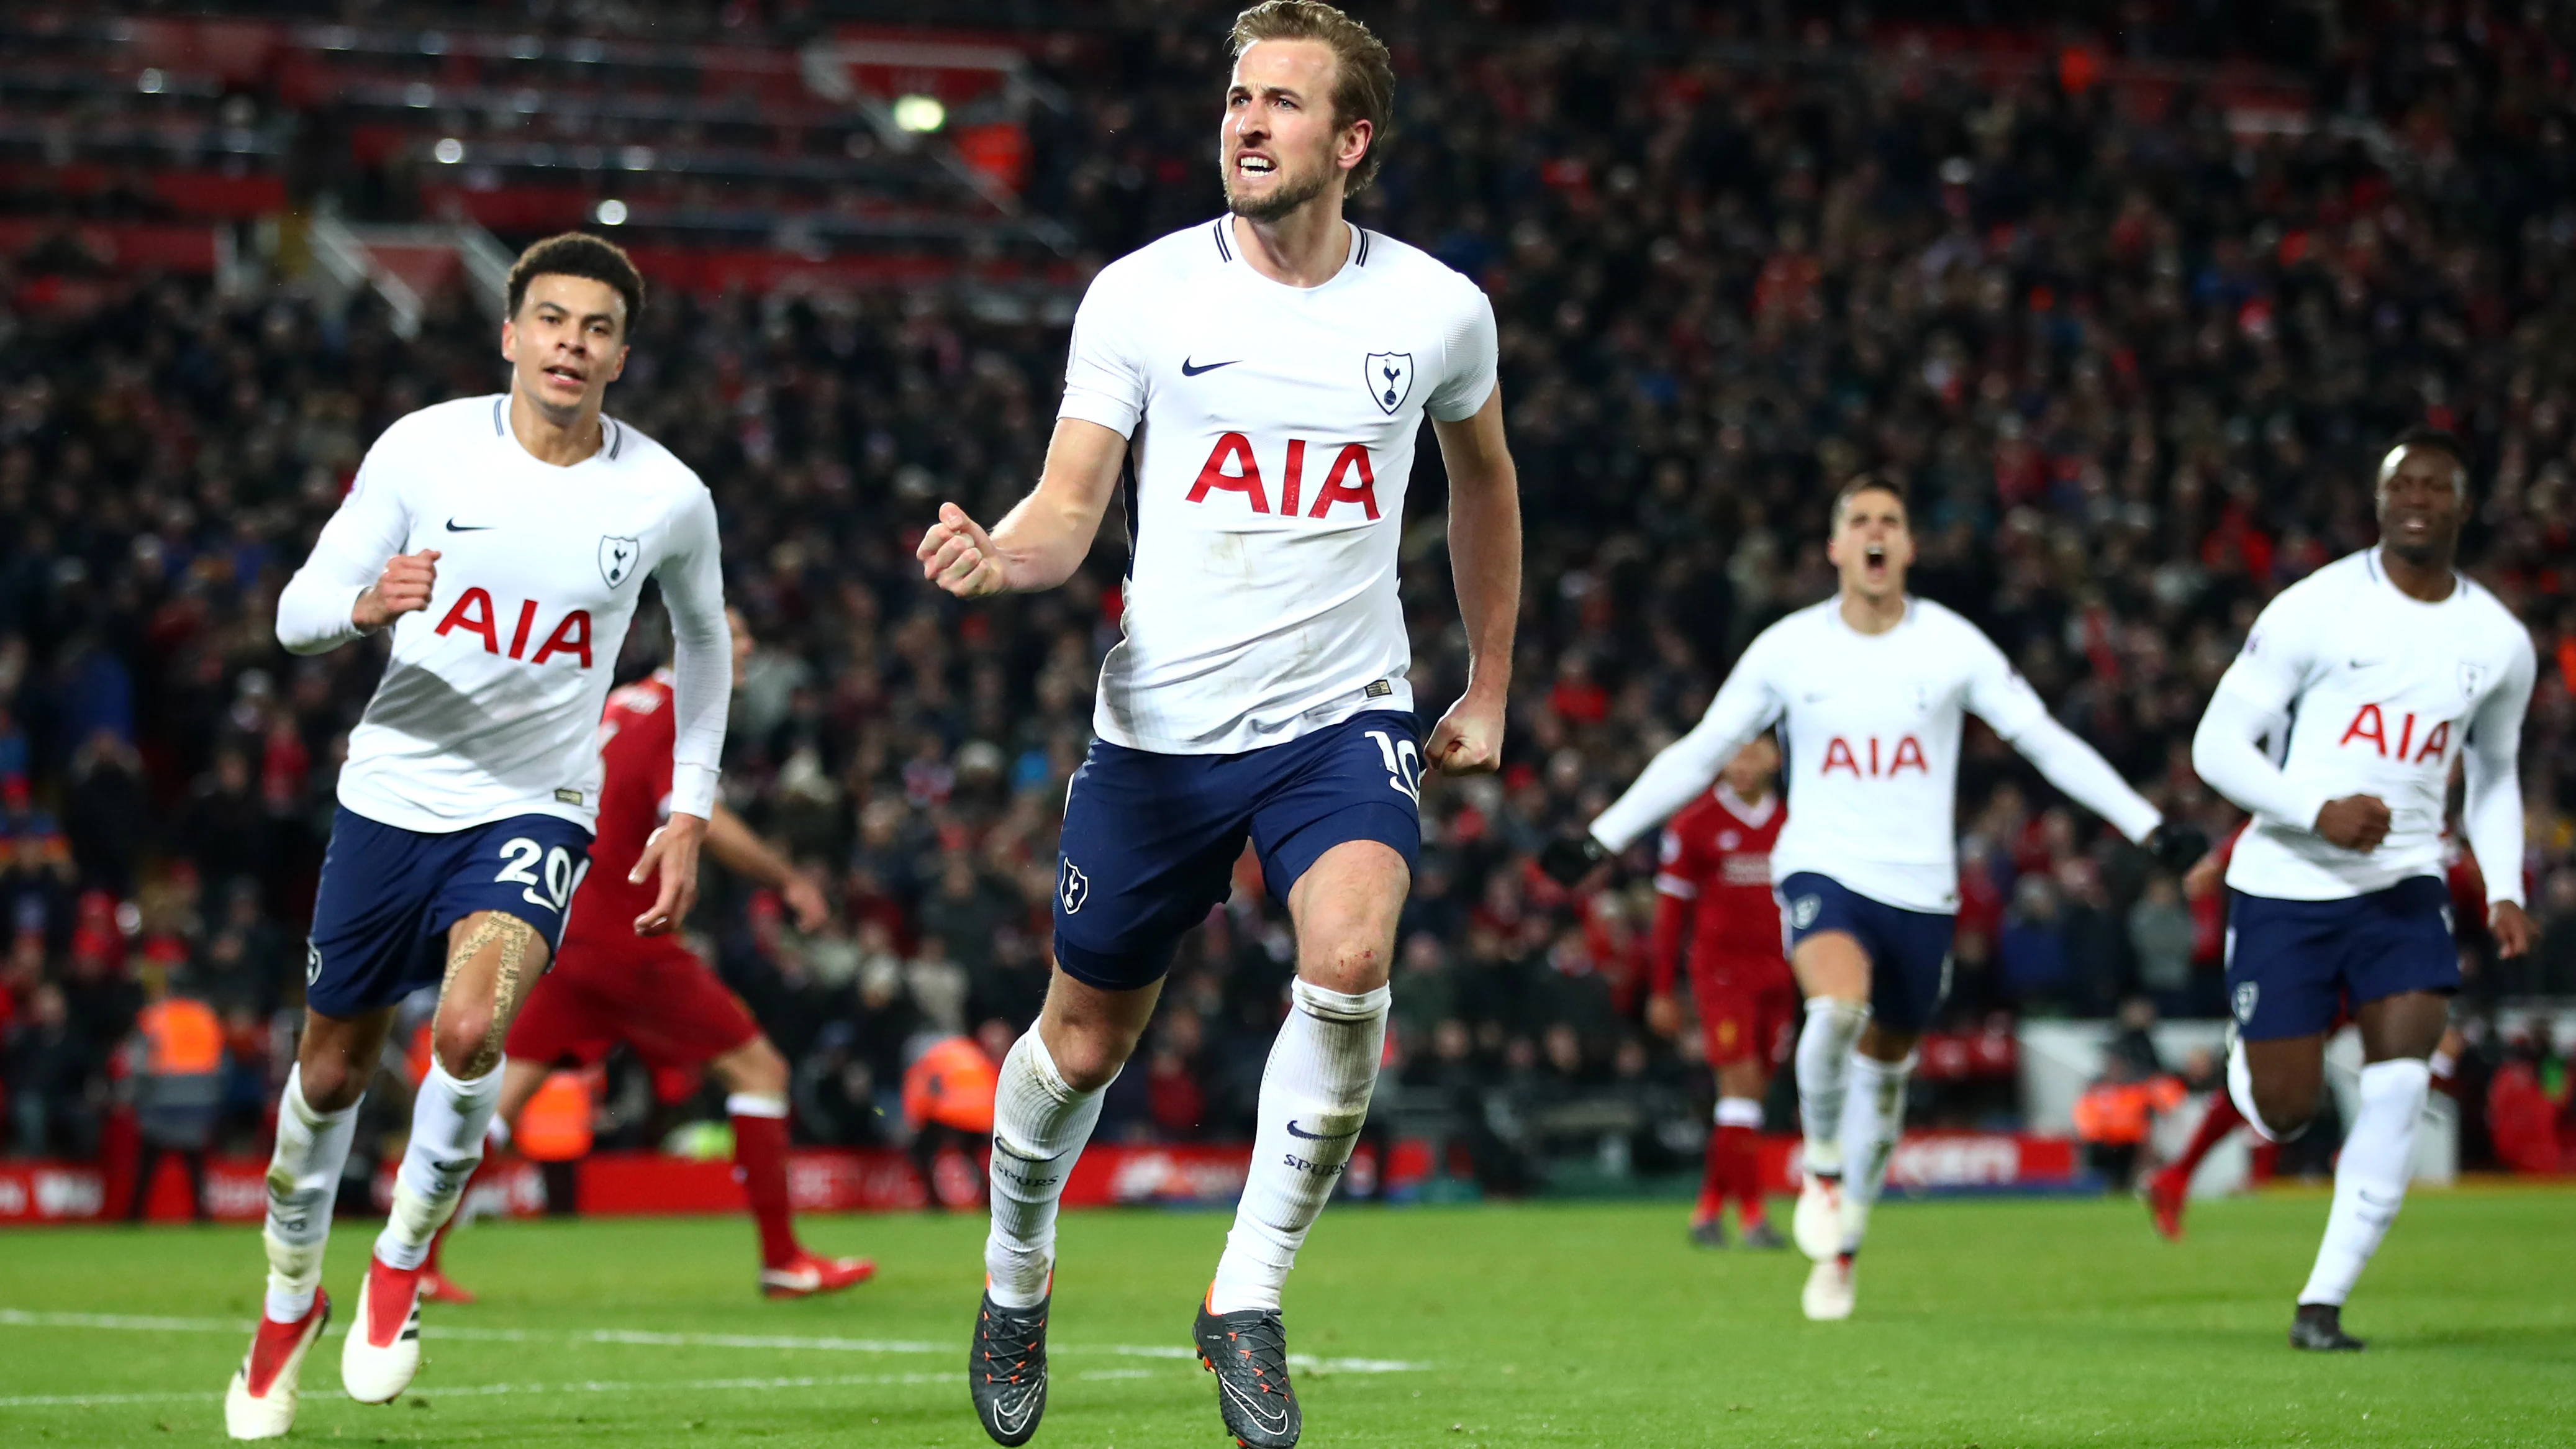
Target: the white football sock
(1824, 1061)
(1739, 1112)
(2371, 1175)
(755, 1104)
(1039, 1126)
(1314, 1099)
(1873, 1119)
(448, 1120)
(303, 1182)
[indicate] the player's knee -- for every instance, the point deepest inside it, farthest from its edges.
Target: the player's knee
(330, 1081)
(1353, 964)
(464, 1042)
(1089, 1060)
(2286, 1107)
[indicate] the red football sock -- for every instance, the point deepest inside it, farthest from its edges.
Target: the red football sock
(760, 1161)
(2221, 1119)
(1745, 1145)
(1716, 1179)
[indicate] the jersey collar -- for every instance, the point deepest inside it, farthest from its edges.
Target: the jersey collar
(1756, 816)
(2379, 576)
(1230, 255)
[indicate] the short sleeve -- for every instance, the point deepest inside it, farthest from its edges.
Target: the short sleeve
(1472, 355)
(1104, 373)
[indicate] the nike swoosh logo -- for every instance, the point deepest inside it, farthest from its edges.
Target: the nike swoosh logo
(1188, 371)
(1296, 1131)
(455, 527)
(1009, 1414)
(1273, 1421)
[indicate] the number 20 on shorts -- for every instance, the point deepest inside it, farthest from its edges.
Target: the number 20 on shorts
(520, 857)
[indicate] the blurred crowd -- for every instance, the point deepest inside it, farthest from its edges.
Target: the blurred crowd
(2134, 348)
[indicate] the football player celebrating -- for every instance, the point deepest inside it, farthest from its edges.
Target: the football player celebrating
(1253, 387)
(1872, 685)
(2381, 669)
(502, 541)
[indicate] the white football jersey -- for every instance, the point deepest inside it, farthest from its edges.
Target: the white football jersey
(1872, 724)
(1270, 433)
(490, 704)
(2379, 693)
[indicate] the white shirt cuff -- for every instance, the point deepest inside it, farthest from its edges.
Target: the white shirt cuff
(693, 791)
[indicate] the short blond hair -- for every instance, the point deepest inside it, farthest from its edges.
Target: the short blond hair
(1363, 73)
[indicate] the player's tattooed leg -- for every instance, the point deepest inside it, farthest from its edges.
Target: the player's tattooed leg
(512, 937)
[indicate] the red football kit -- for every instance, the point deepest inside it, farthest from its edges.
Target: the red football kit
(608, 984)
(1716, 876)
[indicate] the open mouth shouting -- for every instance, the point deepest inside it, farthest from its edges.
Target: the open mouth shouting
(1873, 562)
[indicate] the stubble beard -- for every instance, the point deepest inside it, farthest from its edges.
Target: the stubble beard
(1290, 195)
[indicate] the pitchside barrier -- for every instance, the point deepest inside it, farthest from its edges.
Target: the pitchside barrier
(2059, 1059)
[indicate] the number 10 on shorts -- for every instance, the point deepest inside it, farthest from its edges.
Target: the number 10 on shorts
(1403, 764)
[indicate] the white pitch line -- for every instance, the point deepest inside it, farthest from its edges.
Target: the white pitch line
(134, 1323)
(581, 1386)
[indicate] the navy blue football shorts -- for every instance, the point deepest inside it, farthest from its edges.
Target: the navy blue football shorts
(1909, 951)
(1150, 840)
(2291, 965)
(388, 896)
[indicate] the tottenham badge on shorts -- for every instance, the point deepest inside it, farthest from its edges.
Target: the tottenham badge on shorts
(1804, 910)
(617, 558)
(2247, 993)
(1072, 887)
(1390, 379)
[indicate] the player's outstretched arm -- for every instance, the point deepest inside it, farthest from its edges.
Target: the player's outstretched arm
(1485, 563)
(736, 847)
(1038, 544)
(1745, 706)
(2491, 808)
(2005, 701)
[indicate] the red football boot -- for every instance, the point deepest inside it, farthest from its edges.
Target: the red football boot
(2165, 1193)
(382, 1351)
(806, 1275)
(260, 1404)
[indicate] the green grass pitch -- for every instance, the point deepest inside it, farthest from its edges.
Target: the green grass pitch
(1981, 1323)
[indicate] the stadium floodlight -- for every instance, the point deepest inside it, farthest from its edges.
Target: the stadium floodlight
(449, 150)
(919, 113)
(151, 82)
(612, 212)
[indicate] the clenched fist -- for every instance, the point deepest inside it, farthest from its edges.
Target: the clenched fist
(2355, 822)
(957, 555)
(1468, 740)
(403, 588)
